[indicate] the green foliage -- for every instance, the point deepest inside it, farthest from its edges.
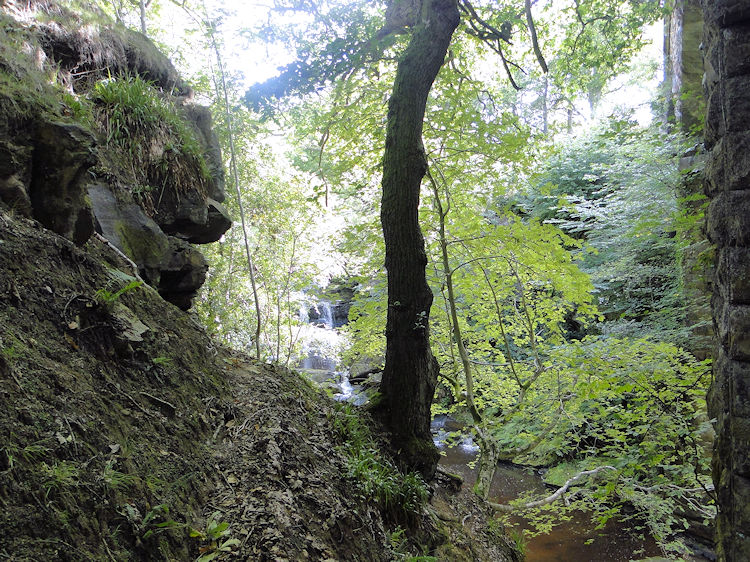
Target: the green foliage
(134, 104)
(639, 406)
(336, 37)
(543, 237)
(162, 361)
(107, 298)
(400, 496)
(515, 308)
(599, 38)
(517, 536)
(157, 521)
(59, 478)
(216, 535)
(615, 189)
(13, 350)
(28, 89)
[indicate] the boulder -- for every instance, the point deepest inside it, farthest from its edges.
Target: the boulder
(201, 121)
(166, 263)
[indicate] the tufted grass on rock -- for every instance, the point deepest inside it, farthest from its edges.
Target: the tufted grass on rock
(132, 109)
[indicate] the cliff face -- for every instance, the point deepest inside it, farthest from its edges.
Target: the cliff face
(98, 133)
(685, 103)
(727, 138)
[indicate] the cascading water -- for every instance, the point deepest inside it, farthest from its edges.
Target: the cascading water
(321, 344)
(446, 432)
(321, 349)
(326, 314)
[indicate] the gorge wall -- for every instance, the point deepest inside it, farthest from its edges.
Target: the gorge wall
(727, 138)
(683, 33)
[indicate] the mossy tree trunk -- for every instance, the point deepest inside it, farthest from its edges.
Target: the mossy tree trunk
(727, 138)
(410, 373)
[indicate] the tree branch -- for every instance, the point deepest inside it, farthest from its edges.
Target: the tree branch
(507, 69)
(490, 31)
(534, 39)
(507, 508)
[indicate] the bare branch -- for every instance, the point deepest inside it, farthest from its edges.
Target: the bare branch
(551, 498)
(507, 68)
(489, 31)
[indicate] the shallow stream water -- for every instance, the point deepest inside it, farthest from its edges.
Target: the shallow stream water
(565, 542)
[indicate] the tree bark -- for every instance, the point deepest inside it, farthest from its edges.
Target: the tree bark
(727, 138)
(411, 371)
(489, 455)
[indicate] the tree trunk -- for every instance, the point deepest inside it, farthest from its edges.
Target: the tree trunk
(142, 9)
(488, 459)
(727, 137)
(411, 371)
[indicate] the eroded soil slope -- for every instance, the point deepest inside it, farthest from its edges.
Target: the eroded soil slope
(109, 396)
(119, 418)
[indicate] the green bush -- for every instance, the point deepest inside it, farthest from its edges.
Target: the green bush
(400, 496)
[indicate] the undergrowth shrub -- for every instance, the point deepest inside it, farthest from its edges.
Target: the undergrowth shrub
(400, 496)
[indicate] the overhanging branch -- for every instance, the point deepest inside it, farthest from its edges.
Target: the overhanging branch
(534, 39)
(507, 508)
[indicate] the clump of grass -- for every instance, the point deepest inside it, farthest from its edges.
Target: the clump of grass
(400, 496)
(59, 477)
(114, 479)
(133, 114)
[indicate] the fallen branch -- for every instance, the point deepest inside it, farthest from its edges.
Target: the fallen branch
(120, 254)
(552, 498)
(159, 402)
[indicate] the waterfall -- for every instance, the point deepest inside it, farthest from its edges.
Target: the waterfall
(321, 348)
(321, 343)
(326, 314)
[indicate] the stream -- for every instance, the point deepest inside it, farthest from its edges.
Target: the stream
(566, 542)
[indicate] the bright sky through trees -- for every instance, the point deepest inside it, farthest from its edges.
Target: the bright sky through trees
(252, 59)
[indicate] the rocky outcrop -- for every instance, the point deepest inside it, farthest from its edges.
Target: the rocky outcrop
(58, 163)
(44, 172)
(167, 263)
(727, 137)
(148, 200)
